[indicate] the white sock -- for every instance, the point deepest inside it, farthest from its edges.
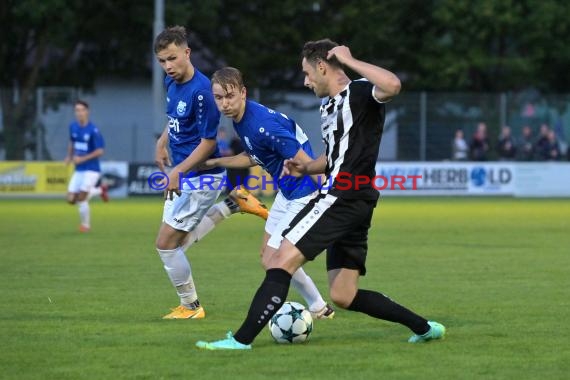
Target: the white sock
(94, 191)
(84, 214)
(223, 209)
(308, 290)
(214, 216)
(178, 269)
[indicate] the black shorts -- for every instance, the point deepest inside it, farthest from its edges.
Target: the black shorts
(338, 225)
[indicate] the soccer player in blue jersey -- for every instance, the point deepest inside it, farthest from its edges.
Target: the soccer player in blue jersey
(269, 138)
(191, 136)
(85, 146)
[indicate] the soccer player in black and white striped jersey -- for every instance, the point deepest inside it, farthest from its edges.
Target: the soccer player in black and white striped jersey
(338, 219)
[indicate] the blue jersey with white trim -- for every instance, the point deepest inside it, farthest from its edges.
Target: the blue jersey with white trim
(270, 138)
(86, 140)
(192, 116)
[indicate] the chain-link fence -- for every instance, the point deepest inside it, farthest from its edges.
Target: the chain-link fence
(420, 126)
(426, 122)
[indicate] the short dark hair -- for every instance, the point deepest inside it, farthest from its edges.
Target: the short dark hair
(174, 34)
(315, 51)
(228, 76)
(80, 102)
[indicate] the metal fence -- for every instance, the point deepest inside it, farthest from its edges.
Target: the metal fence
(427, 121)
(419, 126)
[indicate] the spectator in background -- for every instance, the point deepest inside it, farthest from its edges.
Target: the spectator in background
(225, 151)
(459, 147)
(506, 148)
(479, 146)
(552, 147)
(224, 144)
(526, 147)
(236, 175)
(542, 145)
(232, 147)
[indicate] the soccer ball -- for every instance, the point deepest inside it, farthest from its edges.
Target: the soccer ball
(291, 324)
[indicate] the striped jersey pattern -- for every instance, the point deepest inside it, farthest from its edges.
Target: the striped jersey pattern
(352, 123)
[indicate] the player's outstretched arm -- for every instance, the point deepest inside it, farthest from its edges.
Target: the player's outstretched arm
(387, 85)
(239, 161)
(192, 162)
(317, 166)
(302, 164)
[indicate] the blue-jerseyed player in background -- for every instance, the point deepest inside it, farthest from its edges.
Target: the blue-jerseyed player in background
(85, 146)
(191, 136)
(269, 138)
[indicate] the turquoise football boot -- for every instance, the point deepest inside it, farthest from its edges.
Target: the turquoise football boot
(225, 344)
(436, 331)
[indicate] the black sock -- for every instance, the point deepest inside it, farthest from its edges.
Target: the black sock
(377, 305)
(269, 298)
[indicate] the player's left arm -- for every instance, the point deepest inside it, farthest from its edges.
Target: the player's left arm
(239, 161)
(69, 157)
(96, 153)
(209, 119)
(202, 152)
(208, 129)
(386, 83)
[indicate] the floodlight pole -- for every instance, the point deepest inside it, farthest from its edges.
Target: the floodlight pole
(38, 126)
(158, 117)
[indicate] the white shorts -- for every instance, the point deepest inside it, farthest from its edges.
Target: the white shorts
(83, 181)
(186, 210)
(281, 214)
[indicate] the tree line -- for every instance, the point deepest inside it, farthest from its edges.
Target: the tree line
(433, 45)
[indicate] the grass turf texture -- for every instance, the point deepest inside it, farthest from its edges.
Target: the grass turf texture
(83, 306)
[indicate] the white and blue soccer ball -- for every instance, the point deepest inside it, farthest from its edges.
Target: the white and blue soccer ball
(291, 324)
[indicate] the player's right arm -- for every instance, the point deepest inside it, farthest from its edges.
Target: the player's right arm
(240, 161)
(69, 157)
(302, 164)
(386, 83)
(161, 156)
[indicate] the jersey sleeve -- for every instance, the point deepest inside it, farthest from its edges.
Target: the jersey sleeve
(97, 137)
(364, 90)
(168, 81)
(207, 114)
(282, 141)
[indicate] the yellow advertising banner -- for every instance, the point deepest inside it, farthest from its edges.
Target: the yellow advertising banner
(260, 182)
(23, 178)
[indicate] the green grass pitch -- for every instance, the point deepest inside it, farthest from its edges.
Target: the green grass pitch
(496, 272)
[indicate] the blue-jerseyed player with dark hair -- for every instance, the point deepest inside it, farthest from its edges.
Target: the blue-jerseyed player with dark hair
(193, 120)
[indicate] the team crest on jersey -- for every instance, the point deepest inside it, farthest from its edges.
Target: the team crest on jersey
(247, 142)
(181, 108)
(86, 137)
